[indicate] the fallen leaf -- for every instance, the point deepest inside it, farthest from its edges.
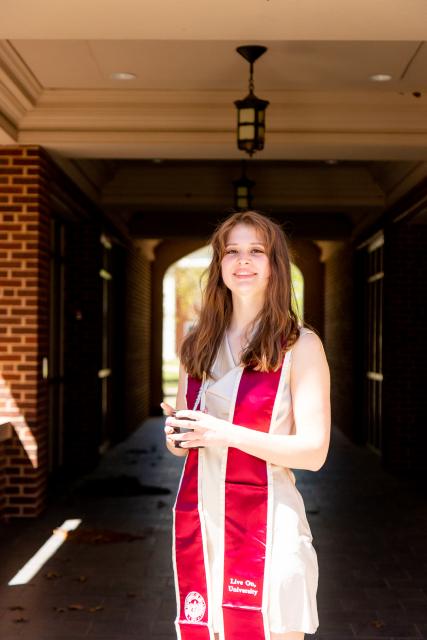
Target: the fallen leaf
(97, 608)
(20, 620)
(378, 624)
(62, 533)
(16, 608)
(75, 607)
(50, 575)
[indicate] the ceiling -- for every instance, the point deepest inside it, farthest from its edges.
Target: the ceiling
(219, 20)
(322, 103)
(214, 65)
(144, 145)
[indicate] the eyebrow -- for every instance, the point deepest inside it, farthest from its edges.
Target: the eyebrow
(230, 244)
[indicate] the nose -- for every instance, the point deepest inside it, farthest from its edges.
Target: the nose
(243, 257)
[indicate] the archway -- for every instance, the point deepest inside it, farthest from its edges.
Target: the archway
(298, 290)
(182, 290)
(182, 287)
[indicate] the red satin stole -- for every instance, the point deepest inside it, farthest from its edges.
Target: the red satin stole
(246, 527)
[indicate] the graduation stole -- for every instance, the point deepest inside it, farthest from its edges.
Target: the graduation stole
(247, 491)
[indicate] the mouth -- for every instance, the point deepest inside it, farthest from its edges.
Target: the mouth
(244, 274)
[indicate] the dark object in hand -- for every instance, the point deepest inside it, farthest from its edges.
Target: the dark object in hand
(181, 430)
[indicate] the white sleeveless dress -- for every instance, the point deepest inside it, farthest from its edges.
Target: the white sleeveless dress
(294, 568)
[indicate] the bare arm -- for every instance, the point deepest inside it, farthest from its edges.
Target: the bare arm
(310, 391)
(180, 403)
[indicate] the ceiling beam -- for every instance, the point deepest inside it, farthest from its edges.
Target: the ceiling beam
(253, 20)
(190, 124)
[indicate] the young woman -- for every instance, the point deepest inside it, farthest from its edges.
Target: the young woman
(244, 562)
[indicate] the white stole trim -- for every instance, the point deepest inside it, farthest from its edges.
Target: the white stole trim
(270, 501)
(222, 494)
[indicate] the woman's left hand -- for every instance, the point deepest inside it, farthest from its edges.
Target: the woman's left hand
(208, 431)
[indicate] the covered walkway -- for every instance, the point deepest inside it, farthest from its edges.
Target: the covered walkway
(119, 154)
(112, 579)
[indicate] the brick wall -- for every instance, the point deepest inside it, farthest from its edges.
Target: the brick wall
(339, 336)
(405, 348)
(24, 272)
(32, 192)
(3, 476)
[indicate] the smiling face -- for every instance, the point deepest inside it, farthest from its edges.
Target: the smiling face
(245, 266)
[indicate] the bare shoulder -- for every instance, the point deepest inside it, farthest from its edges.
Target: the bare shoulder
(308, 354)
(307, 342)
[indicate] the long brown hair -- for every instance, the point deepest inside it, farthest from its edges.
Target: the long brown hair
(278, 327)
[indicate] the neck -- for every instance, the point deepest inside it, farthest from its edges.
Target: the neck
(244, 313)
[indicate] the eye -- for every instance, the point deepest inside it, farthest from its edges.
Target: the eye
(231, 251)
(258, 250)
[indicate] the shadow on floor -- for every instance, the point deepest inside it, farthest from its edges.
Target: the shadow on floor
(112, 578)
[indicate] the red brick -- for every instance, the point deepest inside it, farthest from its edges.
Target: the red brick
(26, 162)
(10, 189)
(25, 181)
(11, 510)
(12, 301)
(25, 199)
(11, 151)
(11, 172)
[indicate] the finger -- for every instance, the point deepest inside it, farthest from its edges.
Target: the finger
(167, 408)
(188, 413)
(173, 422)
(168, 429)
(191, 444)
(186, 424)
(186, 435)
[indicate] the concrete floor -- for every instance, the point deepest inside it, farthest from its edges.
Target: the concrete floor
(369, 530)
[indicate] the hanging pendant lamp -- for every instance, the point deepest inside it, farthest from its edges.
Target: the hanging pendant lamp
(242, 191)
(251, 110)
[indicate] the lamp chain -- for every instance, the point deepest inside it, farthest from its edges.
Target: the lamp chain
(251, 78)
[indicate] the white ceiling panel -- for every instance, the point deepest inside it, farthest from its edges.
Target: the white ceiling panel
(215, 65)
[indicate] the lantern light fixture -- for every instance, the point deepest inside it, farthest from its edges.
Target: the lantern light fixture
(242, 191)
(251, 110)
